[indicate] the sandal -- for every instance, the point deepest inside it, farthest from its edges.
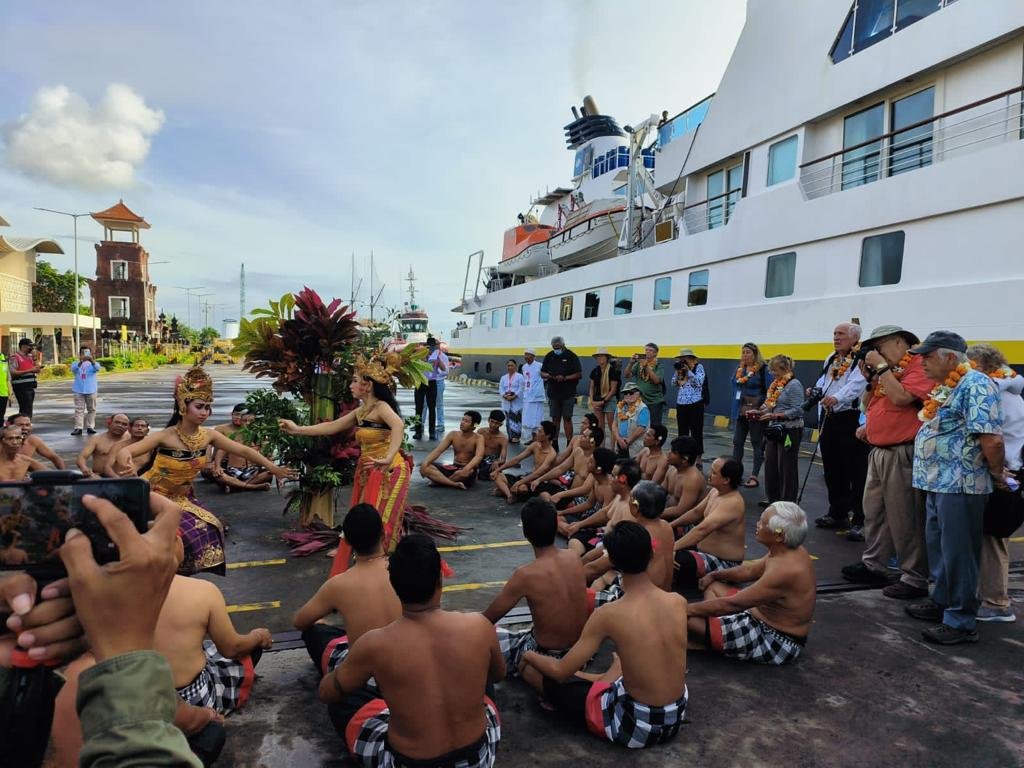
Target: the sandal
(752, 482)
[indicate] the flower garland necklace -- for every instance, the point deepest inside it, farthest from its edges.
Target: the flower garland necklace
(840, 365)
(940, 394)
(744, 374)
(775, 389)
(627, 411)
(896, 370)
(1002, 372)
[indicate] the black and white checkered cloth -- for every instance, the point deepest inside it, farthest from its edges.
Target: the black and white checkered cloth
(635, 725)
(370, 745)
(742, 636)
(514, 644)
(218, 685)
(709, 562)
(609, 594)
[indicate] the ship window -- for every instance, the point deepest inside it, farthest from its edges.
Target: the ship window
(662, 292)
(591, 303)
(648, 156)
(909, 11)
(729, 180)
(476, 367)
(623, 300)
(483, 319)
(697, 292)
(509, 316)
(911, 149)
(782, 161)
(598, 166)
(881, 259)
(623, 157)
(781, 275)
(565, 309)
(487, 368)
(524, 314)
(870, 21)
(860, 166)
(544, 311)
(494, 318)
(609, 159)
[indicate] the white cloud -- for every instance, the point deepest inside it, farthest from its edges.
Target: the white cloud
(63, 139)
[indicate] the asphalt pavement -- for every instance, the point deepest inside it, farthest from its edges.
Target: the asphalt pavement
(866, 692)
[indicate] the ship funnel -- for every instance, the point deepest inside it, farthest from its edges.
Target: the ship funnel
(575, 113)
(589, 106)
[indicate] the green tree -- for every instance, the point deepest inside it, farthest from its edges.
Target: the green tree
(208, 335)
(55, 291)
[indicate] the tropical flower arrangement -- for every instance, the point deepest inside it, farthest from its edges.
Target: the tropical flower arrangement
(775, 389)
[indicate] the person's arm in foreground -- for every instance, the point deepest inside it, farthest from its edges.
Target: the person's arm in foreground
(584, 649)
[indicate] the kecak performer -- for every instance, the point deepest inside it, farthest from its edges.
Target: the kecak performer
(383, 471)
(179, 455)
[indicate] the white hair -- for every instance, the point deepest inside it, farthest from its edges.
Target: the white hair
(650, 499)
(961, 357)
(789, 520)
(855, 330)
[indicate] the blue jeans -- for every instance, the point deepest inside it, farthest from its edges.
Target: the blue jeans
(953, 535)
(439, 419)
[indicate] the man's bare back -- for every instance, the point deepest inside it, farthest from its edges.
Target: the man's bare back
(793, 610)
(662, 561)
(363, 596)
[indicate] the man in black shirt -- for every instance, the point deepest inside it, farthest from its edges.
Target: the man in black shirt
(562, 371)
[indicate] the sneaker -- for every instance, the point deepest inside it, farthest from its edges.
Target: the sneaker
(927, 610)
(947, 635)
(76, 432)
(91, 431)
(827, 521)
(903, 591)
(856, 533)
(861, 574)
(996, 614)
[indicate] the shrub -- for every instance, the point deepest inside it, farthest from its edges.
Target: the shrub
(108, 363)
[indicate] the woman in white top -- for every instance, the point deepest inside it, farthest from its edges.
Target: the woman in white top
(511, 390)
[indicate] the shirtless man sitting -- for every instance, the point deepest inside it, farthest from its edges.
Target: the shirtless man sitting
(137, 432)
(434, 667)
(554, 588)
(653, 460)
(101, 448)
(217, 672)
(495, 445)
(565, 481)
(238, 474)
(767, 621)
(641, 699)
(684, 482)
(543, 454)
(362, 595)
(585, 536)
(717, 539)
(468, 449)
(33, 443)
(14, 465)
(598, 487)
(587, 422)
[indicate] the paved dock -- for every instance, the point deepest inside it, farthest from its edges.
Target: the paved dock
(867, 691)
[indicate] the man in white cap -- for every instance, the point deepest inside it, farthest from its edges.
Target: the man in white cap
(533, 392)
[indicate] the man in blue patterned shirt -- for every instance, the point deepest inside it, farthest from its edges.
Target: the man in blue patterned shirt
(958, 454)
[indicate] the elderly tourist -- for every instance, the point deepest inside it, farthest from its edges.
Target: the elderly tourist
(605, 381)
(511, 388)
(995, 558)
(689, 380)
(958, 456)
(533, 392)
(750, 387)
(893, 508)
(843, 457)
(645, 371)
(562, 372)
(633, 419)
(784, 429)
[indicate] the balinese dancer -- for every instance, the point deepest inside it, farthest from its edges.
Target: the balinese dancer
(383, 472)
(180, 455)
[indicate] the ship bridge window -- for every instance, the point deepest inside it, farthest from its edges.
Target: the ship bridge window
(697, 290)
(781, 276)
(544, 311)
(599, 167)
(623, 157)
(524, 314)
(565, 309)
(782, 161)
(509, 316)
(871, 21)
(494, 318)
(623, 300)
(881, 259)
(648, 156)
(591, 303)
(662, 293)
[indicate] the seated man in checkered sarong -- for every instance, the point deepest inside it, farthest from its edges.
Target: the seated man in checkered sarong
(648, 627)
(767, 621)
(717, 538)
(445, 658)
(213, 665)
(553, 586)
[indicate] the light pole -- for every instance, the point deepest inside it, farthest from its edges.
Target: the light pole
(188, 305)
(74, 218)
(204, 310)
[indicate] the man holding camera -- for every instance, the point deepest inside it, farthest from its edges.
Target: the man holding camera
(646, 373)
(84, 389)
(843, 456)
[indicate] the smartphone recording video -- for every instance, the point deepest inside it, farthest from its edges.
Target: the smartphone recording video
(36, 516)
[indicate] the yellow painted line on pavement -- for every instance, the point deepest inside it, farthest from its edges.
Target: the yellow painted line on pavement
(244, 607)
(468, 587)
(493, 545)
(257, 563)
(1017, 539)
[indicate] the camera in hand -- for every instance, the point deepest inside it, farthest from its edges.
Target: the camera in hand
(859, 354)
(680, 365)
(35, 518)
(813, 398)
(775, 432)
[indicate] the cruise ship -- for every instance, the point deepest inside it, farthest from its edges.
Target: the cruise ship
(858, 161)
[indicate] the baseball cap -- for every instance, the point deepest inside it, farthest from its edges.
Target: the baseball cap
(940, 340)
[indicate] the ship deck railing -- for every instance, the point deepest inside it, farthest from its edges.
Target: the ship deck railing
(711, 213)
(918, 145)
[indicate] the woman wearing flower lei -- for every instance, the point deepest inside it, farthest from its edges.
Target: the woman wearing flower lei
(750, 386)
(782, 443)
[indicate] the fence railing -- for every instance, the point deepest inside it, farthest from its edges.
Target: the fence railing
(711, 213)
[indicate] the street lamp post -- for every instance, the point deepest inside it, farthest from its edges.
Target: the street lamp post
(188, 305)
(74, 218)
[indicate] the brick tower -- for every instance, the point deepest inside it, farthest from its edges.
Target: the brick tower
(122, 292)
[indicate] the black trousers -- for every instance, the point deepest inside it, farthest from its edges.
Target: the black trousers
(845, 460)
(426, 395)
(26, 395)
(690, 421)
(781, 467)
(3, 408)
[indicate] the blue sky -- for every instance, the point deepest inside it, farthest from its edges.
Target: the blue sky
(291, 135)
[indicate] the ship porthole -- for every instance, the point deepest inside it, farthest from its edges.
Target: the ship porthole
(488, 368)
(476, 367)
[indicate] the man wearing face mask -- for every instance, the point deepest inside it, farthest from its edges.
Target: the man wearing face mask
(562, 371)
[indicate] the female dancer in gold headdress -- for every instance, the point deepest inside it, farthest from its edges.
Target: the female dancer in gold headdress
(180, 454)
(383, 472)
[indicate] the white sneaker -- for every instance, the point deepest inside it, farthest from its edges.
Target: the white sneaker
(995, 614)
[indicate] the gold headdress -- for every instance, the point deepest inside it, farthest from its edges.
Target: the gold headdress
(386, 366)
(194, 385)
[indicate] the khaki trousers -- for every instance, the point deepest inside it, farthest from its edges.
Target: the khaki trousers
(994, 574)
(894, 515)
